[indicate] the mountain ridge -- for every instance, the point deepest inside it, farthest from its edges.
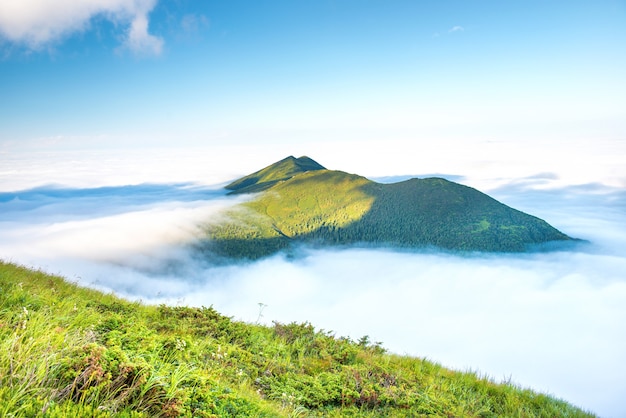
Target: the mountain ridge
(309, 203)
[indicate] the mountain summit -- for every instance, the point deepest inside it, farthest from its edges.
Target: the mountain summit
(272, 174)
(302, 202)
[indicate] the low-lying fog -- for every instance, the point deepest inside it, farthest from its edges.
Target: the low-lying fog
(552, 321)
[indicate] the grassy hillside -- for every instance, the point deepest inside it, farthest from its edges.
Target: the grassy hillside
(324, 206)
(67, 351)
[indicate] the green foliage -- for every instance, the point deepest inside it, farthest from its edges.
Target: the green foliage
(333, 207)
(69, 351)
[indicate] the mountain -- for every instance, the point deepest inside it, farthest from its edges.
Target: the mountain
(69, 351)
(301, 201)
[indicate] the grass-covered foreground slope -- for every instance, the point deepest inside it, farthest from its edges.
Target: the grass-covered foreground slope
(324, 206)
(67, 351)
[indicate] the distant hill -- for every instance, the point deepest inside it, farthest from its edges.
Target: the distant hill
(301, 201)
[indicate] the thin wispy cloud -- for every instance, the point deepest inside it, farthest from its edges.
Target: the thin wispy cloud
(454, 29)
(191, 24)
(37, 24)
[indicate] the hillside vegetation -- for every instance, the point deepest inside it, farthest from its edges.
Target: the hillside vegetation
(67, 351)
(303, 202)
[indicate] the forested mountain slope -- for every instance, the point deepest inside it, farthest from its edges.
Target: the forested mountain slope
(307, 203)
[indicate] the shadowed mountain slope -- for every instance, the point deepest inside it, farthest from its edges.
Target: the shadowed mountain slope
(333, 207)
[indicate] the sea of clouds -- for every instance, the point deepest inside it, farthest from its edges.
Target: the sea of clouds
(552, 321)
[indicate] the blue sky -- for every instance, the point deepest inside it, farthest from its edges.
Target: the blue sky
(313, 76)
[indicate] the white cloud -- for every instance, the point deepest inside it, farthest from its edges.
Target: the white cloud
(38, 23)
(456, 29)
(140, 41)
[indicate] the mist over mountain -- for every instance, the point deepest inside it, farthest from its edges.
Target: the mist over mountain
(300, 201)
(551, 321)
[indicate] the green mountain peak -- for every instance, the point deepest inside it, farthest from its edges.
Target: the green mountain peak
(274, 173)
(310, 204)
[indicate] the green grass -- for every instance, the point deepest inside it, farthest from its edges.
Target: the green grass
(67, 351)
